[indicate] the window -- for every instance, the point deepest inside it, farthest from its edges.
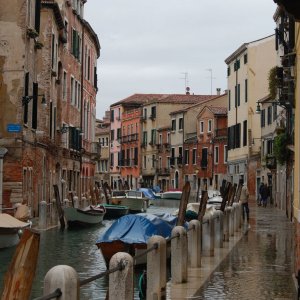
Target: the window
(201, 126)
(269, 146)
(72, 90)
(225, 154)
(245, 58)
(245, 133)
(75, 46)
(238, 94)
(145, 162)
(228, 71)
(216, 155)
(112, 115)
(160, 139)
(236, 65)
(180, 123)
(64, 85)
(144, 137)
(229, 99)
(173, 125)
(153, 161)
(270, 115)
(112, 135)
(145, 113)
(153, 112)
(168, 138)
(209, 126)
(119, 133)
(234, 133)
(76, 93)
(204, 160)
(262, 118)
(246, 90)
(194, 159)
(186, 156)
(153, 136)
(111, 159)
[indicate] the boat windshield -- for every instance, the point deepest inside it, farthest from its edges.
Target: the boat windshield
(118, 193)
(135, 194)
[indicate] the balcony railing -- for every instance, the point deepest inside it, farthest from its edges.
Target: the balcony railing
(163, 171)
(221, 132)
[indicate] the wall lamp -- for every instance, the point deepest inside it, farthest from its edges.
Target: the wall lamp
(27, 99)
(258, 109)
(282, 104)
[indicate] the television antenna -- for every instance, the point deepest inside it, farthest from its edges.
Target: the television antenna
(211, 79)
(186, 81)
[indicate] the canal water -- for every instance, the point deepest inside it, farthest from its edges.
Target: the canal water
(75, 248)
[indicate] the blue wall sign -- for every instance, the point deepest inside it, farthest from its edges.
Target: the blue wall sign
(13, 128)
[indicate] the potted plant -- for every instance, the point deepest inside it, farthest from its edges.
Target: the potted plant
(38, 45)
(280, 149)
(32, 33)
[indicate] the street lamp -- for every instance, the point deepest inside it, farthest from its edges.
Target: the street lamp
(27, 99)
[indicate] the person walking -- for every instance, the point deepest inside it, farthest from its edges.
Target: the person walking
(260, 191)
(244, 200)
(264, 195)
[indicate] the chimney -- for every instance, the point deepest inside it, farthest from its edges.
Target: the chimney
(218, 91)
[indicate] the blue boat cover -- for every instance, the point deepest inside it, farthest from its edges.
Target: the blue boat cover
(136, 229)
(148, 193)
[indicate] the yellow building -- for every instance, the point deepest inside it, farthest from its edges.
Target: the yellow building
(247, 70)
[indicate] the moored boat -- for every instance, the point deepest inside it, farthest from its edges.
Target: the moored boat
(172, 195)
(135, 200)
(11, 230)
(130, 234)
(91, 215)
(114, 211)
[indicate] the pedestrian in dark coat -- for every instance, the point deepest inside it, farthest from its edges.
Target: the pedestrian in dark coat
(264, 195)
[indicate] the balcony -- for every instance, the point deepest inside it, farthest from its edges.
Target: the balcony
(172, 161)
(270, 162)
(144, 144)
(152, 117)
(143, 118)
(221, 132)
(152, 143)
(163, 171)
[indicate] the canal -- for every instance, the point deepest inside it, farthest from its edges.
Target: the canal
(75, 248)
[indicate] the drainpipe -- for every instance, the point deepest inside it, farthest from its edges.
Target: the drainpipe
(82, 111)
(3, 151)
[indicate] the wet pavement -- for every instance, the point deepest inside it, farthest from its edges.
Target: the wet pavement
(260, 265)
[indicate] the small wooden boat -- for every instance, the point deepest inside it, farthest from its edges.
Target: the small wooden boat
(11, 230)
(130, 234)
(114, 211)
(91, 215)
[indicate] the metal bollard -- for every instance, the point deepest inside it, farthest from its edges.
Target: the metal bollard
(208, 232)
(121, 282)
(231, 220)
(226, 224)
(179, 255)
(219, 232)
(43, 215)
(66, 279)
(236, 216)
(194, 244)
(157, 268)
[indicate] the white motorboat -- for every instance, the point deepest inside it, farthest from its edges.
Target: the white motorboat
(91, 215)
(135, 200)
(11, 230)
(172, 195)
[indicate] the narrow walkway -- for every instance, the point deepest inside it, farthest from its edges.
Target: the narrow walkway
(256, 266)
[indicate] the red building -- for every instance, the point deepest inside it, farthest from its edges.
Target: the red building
(130, 158)
(212, 146)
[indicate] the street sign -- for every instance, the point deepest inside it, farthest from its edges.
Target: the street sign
(13, 127)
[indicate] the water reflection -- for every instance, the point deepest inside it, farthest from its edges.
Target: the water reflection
(259, 266)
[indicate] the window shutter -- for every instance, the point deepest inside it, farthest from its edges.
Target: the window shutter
(26, 85)
(34, 105)
(37, 15)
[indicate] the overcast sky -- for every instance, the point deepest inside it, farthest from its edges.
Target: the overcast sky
(148, 46)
